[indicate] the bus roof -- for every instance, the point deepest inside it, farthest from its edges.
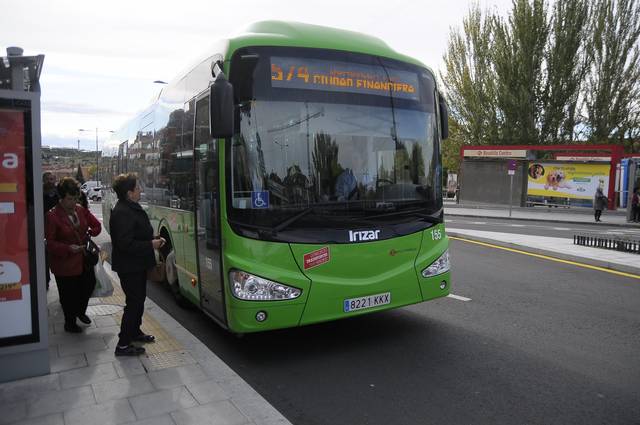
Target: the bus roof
(283, 33)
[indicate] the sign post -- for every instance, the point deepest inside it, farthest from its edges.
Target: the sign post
(512, 171)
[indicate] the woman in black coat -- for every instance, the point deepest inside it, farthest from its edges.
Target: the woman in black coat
(132, 256)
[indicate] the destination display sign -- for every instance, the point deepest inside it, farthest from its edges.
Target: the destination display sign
(346, 77)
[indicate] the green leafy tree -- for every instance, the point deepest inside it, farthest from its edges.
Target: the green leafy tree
(567, 63)
(451, 147)
(518, 57)
(79, 176)
(470, 81)
(613, 86)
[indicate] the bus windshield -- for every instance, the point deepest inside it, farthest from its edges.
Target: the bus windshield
(332, 140)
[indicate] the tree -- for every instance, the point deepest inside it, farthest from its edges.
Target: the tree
(451, 147)
(518, 56)
(325, 163)
(613, 84)
(79, 176)
(470, 81)
(567, 63)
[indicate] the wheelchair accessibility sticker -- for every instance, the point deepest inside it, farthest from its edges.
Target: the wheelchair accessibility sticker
(260, 199)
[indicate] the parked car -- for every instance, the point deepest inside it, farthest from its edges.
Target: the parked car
(87, 186)
(95, 193)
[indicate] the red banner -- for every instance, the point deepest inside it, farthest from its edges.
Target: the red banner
(14, 243)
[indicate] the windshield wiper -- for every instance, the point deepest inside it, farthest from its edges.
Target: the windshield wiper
(416, 213)
(289, 221)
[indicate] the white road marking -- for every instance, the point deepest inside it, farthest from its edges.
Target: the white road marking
(478, 222)
(518, 225)
(458, 297)
(561, 228)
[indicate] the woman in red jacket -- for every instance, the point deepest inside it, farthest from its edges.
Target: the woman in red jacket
(66, 229)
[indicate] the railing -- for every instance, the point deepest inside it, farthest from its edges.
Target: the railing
(617, 244)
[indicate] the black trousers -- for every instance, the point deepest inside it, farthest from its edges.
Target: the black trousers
(75, 292)
(597, 214)
(134, 286)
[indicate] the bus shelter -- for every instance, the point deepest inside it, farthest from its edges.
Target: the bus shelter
(23, 306)
(562, 175)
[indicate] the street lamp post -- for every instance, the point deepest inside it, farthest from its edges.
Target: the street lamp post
(97, 176)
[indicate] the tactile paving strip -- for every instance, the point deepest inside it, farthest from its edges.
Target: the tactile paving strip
(103, 309)
(166, 352)
(164, 341)
(157, 361)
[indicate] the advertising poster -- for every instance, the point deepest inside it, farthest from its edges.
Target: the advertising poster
(577, 181)
(15, 296)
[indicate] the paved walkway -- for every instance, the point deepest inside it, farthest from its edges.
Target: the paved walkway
(562, 248)
(539, 213)
(179, 381)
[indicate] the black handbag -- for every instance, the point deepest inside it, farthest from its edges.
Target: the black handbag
(91, 253)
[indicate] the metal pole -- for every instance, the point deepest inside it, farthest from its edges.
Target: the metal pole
(97, 157)
(510, 194)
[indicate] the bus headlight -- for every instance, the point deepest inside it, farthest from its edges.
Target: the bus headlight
(441, 265)
(246, 286)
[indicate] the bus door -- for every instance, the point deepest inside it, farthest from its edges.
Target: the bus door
(207, 204)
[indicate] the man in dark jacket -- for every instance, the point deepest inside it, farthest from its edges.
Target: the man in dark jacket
(132, 256)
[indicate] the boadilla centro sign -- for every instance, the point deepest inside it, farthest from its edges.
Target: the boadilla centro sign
(496, 153)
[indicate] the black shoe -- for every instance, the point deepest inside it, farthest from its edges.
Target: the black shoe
(145, 338)
(84, 319)
(73, 328)
(129, 350)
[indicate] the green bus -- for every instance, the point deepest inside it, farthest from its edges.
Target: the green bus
(295, 172)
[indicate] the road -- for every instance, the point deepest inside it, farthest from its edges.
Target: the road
(538, 228)
(539, 342)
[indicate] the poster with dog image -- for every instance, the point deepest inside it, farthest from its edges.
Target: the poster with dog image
(578, 181)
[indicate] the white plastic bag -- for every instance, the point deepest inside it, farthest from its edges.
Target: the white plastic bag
(104, 287)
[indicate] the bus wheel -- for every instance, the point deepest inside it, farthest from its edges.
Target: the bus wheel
(172, 277)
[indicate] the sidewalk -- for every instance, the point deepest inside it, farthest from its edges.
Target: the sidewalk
(179, 381)
(574, 215)
(562, 248)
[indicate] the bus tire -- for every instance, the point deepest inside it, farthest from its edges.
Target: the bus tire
(169, 260)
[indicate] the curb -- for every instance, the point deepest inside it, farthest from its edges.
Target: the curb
(589, 223)
(576, 258)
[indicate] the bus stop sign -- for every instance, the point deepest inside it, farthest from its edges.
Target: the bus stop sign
(512, 167)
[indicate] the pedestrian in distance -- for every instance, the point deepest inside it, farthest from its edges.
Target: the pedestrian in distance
(599, 203)
(49, 200)
(132, 257)
(67, 228)
(635, 206)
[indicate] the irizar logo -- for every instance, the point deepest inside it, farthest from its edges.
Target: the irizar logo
(364, 235)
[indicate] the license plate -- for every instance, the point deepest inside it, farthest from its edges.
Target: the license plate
(370, 301)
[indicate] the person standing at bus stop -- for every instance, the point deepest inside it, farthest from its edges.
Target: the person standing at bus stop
(599, 203)
(66, 229)
(635, 205)
(132, 257)
(49, 200)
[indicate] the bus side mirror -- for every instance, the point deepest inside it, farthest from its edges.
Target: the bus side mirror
(444, 116)
(221, 108)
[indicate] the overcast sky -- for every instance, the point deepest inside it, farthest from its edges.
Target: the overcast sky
(101, 57)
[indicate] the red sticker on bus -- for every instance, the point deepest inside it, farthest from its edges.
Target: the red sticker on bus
(315, 258)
